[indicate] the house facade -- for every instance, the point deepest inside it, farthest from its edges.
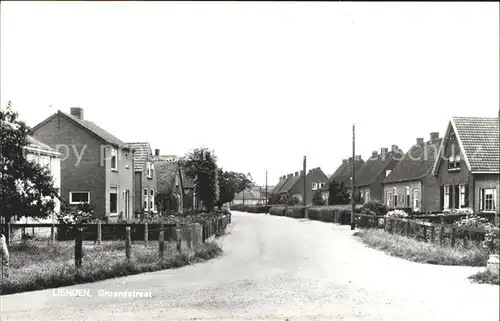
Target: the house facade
(368, 179)
(343, 175)
(145, 182)
(468, 165)
(96, 167)
(170, 185)
(292, 185)
(411, 185)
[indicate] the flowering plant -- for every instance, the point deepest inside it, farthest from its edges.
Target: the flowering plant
(397, 213)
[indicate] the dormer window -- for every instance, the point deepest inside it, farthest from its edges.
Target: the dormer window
(454, 163)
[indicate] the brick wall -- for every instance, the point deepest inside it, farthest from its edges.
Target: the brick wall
(87, 175)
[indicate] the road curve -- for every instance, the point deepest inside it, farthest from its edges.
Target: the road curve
(277, 268)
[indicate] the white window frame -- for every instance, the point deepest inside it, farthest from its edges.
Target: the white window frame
(117, 200)
(148, 173)
(407, 199)
(314, 186)
(152, 199)
(493, 193)
(446, 200)
(126, 160)
(455, 160)
(114, 153)
(388, 198)
(395, 198)
(75, 203)
(461, 199)
(367, 196)
(145, 199)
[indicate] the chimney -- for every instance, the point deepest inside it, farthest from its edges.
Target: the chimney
(157, 152)
(344, 161)
(434, 136)
(289, 175)
(77, 112)
(375, 154)
(384, 150)
(296, 173)
(358, 158)
(310, 171)
(394, 148)
(302, 173)
(420, 141)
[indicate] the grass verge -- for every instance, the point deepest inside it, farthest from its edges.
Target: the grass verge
(485, 277)
(47, 266)
(422, 252)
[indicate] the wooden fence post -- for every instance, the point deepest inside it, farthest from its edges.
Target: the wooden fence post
(425, 233)
(465, 241)
(397, 227)
(128, 243)
(8, 235)
(78, 247)
(52, 234)
(453, 236)
(4, 253)
(407, 228)
(433, 234)
(161, 241)
(441, 236)
(385, 224)
(146, 235)
(375, 221)
(99, 233)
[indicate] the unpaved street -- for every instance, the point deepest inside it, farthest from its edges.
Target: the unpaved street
(274, 268)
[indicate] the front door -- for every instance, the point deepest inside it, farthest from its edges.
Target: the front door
(416, 200)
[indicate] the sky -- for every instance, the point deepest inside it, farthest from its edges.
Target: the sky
(260, 83)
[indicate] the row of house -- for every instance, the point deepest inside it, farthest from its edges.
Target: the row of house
(292, 185)
(459, 170)
(90, 165)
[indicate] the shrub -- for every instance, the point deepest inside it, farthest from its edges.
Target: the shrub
(397, 213)
(295, 212)
(374, 208)
(277, 210)
(491, 239)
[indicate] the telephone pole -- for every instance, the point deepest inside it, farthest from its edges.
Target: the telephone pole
(353, 199)
(305, 187)
(266, 192)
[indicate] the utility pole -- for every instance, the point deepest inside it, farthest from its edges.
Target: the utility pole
(266, 191)
(353, 199)
(305, 187)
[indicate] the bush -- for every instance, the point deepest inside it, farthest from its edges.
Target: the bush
(486, 277)
(491, 239)
(374, 208)
(295, 212)
(397, 213)
(277, 210)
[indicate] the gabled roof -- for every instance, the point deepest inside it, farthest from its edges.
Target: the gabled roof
(289, 184)
(38, 145)
(344, 171)
(88, 126)
(165, 175)
(372, 168)
(186, 181)
(479, 142)
(416, 164)
(278, 186)
(142, 151)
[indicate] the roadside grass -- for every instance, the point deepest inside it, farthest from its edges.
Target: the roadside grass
(40, 265)
(486, 277)
(422, 252)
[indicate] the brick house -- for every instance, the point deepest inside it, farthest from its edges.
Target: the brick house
(169, 178)
(368, 179)
(343, 175)
(145, 182)
(292, 185)
(468, 165)
(411, 185)
(96, 167)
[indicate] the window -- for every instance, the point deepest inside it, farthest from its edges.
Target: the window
(113, 201)
(488, 199)
(367, 196)
(387, 172)
(114, 162)
(447, 197)
(152, 170)
(79, 197)
(388, 198)
(152, 200)
(454, 163)
(126, 160)
(461, 202)
(145, 200)
(148, 164)
(407, 196)
(395, 197)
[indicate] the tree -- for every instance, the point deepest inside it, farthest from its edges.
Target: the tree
(317, 198)
(200, 165)
(26, 188)
(337, 193)
(230, 184)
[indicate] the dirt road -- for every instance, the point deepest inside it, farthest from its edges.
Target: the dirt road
(277, 268)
